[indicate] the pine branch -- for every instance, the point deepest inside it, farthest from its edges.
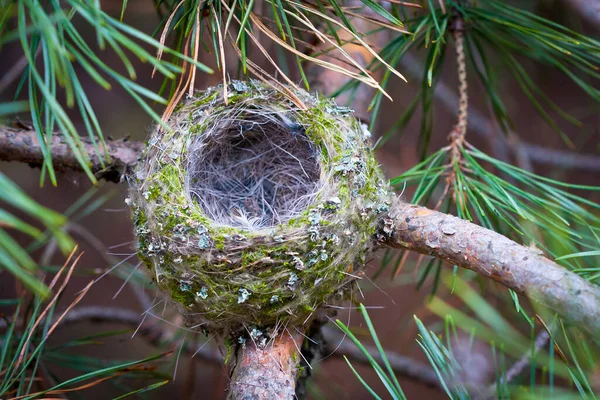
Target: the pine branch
(520, 268)
(22, 145)
(415, 228)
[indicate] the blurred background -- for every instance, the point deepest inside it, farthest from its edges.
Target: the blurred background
(102, 226)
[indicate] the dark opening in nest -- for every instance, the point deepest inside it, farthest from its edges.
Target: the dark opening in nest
(254, 169)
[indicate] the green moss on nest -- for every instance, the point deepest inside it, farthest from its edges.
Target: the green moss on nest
(228, 277)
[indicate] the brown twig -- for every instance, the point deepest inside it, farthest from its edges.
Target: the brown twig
(15, 72)
(561, 158)
(22, 145)
(458, 134)
(522, 269)
(402, 365)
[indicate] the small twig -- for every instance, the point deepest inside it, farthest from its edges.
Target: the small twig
(459, 132)
(457, 136)
(14, 72)
(517, 368)
(402, 365)
(564, 159)
(588, 9)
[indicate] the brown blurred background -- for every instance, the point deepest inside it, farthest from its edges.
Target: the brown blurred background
(397, 301)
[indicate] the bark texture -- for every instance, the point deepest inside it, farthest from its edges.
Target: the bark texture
(266, 374)
(522, 269)
(22, 145)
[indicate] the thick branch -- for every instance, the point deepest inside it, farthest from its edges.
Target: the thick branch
(22, 145)
(491, 254)
(268, 373)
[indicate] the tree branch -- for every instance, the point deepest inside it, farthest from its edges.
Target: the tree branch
(407, 226)
(22, 145)
(268, 373)
(493, 255)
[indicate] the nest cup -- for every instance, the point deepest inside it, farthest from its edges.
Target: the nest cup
(256, 211)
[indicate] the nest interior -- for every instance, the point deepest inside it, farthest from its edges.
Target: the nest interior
(255, 212)
(254, 169)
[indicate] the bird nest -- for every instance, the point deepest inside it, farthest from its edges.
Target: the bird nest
(255, 212)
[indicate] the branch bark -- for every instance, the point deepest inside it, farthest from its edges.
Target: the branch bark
(22, 145)
(407, 226)
(522, 269)
(268, 373)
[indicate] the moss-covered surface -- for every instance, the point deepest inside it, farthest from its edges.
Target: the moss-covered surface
(227, 278)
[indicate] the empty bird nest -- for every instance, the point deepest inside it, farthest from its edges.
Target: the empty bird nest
(253, 211)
